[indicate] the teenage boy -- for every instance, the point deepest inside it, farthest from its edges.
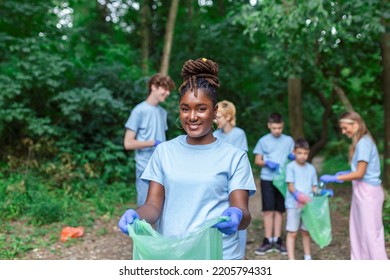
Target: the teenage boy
(272, 151)
(145, 128)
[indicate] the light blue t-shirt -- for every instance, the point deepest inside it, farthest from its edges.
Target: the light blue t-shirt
(304, 177)
(198, 180)
(367, 151)
(149, 123)
(275, 149)
(236, 137)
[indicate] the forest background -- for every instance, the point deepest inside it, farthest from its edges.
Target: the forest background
(71, 71)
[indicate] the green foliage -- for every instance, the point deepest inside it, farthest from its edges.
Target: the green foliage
(386, 215)
(67, 90)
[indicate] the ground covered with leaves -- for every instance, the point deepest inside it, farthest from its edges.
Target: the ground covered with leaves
(104, 241)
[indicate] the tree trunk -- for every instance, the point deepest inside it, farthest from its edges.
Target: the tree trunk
(320, 144)
(221, 8)
(343, 97)
(386, 109)
(295, 107)
(145, 35)
(169, 37)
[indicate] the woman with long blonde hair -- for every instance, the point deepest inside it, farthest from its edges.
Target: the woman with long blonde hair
(365, 224)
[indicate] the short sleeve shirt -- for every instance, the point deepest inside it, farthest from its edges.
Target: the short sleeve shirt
(149, 123)
(304, 177)
(198, 180)
(367, 151)
(236, 137)
(275, 149)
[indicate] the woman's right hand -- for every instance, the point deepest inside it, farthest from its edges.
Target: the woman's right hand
(127, 218)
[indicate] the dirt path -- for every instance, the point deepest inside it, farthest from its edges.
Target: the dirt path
(106, 242)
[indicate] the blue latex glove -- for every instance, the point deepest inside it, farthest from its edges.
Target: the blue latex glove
(326, 192)
(127, 218)
(291, 156)
(230, 226)
(301, 197)
(343, 172)
(330, 179)
(272, 165)
(156, 143)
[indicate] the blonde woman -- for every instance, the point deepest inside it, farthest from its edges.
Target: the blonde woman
(227, 129)
(365, 224)
(230, 133)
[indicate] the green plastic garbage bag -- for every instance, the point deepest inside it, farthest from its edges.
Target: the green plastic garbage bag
(205, 243)
(316, 217)
(279, 182)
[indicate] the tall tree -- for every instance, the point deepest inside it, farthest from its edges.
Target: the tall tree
(170, 27)
(312, 40)
(145, 34)
(386, 91)
(295, 110)
(294, 87)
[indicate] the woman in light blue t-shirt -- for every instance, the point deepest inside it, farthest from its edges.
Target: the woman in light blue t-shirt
(366, 229)
(230, 133)
(195, 177)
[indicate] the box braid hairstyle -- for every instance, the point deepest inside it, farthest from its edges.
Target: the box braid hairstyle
(201, 74)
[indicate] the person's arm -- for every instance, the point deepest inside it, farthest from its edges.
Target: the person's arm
(298, 196)
(239, 199)
(270, 164)
(354, 175)
(151, 210)
(130, 143)
(291, 187)
(259, 160)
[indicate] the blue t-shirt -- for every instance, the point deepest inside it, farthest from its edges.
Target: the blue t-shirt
(236, 137)
(198, 180)
(367, 151)
(304, 177)
(275, 149)
(149, 123)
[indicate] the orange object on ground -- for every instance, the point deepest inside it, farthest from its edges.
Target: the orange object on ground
(71, 232)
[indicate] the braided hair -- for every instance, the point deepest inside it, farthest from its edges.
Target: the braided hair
(201, 74)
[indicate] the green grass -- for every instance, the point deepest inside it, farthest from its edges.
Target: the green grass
(33, 210)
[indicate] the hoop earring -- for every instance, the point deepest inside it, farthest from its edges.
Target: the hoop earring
(178, 124)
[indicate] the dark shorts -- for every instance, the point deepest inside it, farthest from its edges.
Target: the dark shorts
(271, 198)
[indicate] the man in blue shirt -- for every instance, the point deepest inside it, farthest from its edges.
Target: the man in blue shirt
(146, 127)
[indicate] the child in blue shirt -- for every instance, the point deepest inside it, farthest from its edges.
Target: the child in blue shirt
(301, 177)
(272, 151)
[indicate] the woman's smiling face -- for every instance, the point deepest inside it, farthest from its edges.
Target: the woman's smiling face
(349, 129)
(197, 114)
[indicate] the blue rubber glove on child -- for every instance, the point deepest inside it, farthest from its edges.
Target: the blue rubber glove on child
(271, 165)
(127, 218)
(301, 197)
(230, 226)
(291, 156)
(326, 192)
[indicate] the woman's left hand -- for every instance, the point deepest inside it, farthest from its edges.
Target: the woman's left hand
(230, 226)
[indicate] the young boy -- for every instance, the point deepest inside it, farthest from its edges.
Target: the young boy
(301, 177)
(272, 151)
(145, 128)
